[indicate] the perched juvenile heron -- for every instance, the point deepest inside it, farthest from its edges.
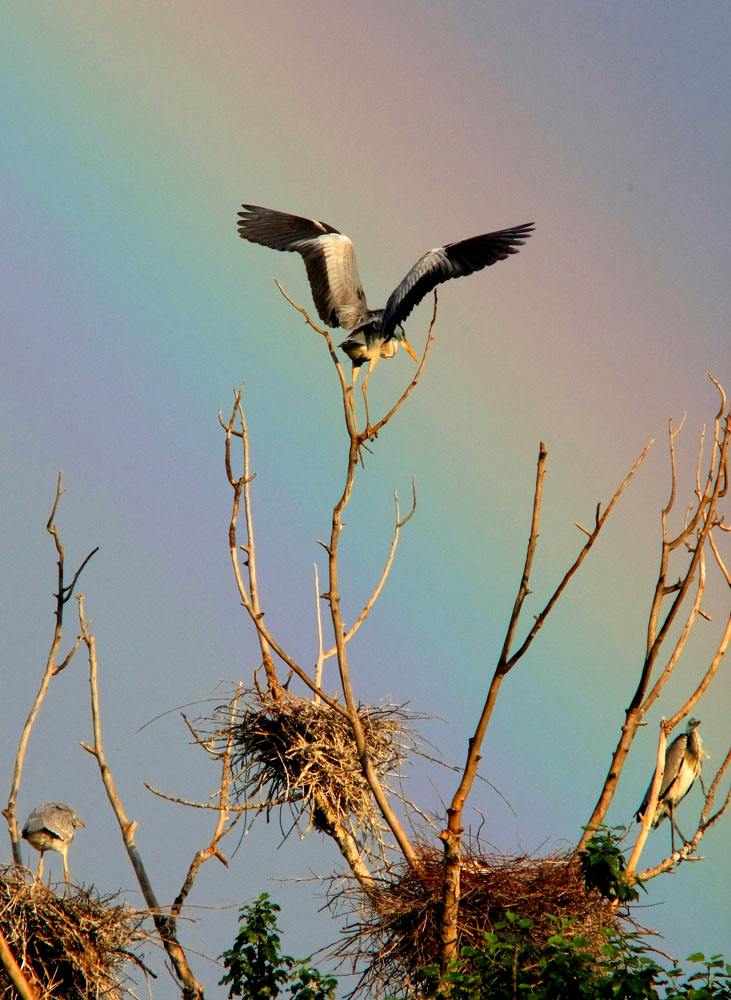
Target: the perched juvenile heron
(683, 760)
(337, 291)
(51, 827)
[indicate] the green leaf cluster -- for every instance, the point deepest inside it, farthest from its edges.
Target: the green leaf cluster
(509, 965)
(257, 970)
(603, 867)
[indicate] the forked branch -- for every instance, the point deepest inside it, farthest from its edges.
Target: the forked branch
(451, 837)
(63, 596)
(400, 522)
(703, 516)
(249, 594)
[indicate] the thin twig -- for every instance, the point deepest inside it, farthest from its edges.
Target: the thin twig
(222, 826)
(320, 653)
(267, 640)
(384, 575)
(373, 432)
(241, 489)
(165, 925)
(349, 418)
(239, 807)
(600, 520)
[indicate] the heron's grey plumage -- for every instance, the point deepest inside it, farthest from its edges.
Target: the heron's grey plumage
(329, 257)
(455, 260)
(51, 827)
(683, 761)
(333, 273)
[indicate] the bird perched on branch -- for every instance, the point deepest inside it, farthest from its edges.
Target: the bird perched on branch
(336, 287)
(51, 827)
(683, 760)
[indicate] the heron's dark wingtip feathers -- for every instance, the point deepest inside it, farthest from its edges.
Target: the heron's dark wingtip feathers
(454, 260)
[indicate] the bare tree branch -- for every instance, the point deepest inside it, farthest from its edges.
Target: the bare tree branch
(267, 641)
(697, 526)
(165, 925)
(347, 409)
(373, 432)
(62, 596)
(222, 826)
(320, 652)
(654, 795)
(333, 598)
(599, 521)
(14, 972)
(451, 837)
(241, 487)
(238, 807)
(349, 633)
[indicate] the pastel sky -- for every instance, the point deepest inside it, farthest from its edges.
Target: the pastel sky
(132, 132)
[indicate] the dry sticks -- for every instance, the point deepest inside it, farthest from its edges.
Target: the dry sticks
(673, 603)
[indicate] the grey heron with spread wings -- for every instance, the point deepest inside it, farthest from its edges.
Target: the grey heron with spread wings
(336, 286)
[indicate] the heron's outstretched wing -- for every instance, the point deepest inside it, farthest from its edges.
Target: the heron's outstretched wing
(451, 261)
(328, 255)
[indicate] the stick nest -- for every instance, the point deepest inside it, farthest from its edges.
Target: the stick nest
(73, 946)
(397, 933)
(303, 753)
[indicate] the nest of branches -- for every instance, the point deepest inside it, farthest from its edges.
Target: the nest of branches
(73, 946)
(398, 932)
(302, 753)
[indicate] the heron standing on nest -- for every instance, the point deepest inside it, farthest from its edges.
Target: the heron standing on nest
(51, 827)
(683, 760)
(337, 290)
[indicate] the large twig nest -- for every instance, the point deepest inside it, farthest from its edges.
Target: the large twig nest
(66, 946)
(297, 752)
(397, 932)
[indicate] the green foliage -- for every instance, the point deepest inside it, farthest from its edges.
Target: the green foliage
(509, 965)
(257, 970)
(713, 982)
(602, 864)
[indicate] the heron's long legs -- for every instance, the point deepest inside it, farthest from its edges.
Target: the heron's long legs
(356, 371)
(371, 365)
(40, 868)
(674, 828)
(351, 387)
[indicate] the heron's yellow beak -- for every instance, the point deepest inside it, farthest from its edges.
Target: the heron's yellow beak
(407, 345)
(79, 823)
